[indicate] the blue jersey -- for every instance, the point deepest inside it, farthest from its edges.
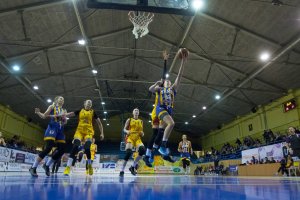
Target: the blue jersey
(166, 97)
(55, 127)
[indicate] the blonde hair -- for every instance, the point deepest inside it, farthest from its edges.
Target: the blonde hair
(55, 100)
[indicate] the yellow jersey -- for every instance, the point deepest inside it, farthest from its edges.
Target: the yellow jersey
(93, 148)
(135, 126)
(85, 118)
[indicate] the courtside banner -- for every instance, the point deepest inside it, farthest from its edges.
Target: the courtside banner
(4, 154)
(274, 150)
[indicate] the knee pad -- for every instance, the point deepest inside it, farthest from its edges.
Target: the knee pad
(128, 154)
(48, 147)
(142, 150)
(60, 151)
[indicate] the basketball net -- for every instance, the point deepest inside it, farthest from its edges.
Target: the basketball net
(140, 22)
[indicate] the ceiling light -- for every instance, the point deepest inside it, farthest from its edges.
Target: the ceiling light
(186, 123)
(204, 107)
(104, 119)
(167, 75)
(194, 116)
(16, 68)
(265, 56)
(49, 100)
(105, 112)
(217, 97)
(103, 103)
(94, 71)
(198, 4)
(35, 87)
(107, 124)
(81, 42)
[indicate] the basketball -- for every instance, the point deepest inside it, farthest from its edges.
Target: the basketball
(183, 53)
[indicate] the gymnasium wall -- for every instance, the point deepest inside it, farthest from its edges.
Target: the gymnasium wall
(13, 124)
(271, 116)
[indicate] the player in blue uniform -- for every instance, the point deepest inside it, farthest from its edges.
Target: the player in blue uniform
(53, 134)
(166, 95)
(185, 148)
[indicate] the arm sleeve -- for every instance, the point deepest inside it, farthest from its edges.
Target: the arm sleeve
(165, 70)
(77, 112)
(95, 116)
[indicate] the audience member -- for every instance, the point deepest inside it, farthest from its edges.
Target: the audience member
(2, 140)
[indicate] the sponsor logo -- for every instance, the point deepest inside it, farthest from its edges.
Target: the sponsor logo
(108, 165)
(4, 154)
(20, 157)
(176, 169)
(29, 158)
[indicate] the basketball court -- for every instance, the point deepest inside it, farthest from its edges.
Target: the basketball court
(14, 186)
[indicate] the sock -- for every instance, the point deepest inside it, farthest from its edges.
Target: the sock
(136, 161)
(148, 152)
(155, 146)
(36, 163)
(70, 161)
(89, 161)
(123, 167)
(49, 162)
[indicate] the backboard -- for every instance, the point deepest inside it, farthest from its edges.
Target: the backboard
(178, 7)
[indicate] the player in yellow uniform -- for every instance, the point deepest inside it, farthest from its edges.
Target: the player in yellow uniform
(134, 131)
(185, 148)
(164, 108)
(84, 131)
(94, 149)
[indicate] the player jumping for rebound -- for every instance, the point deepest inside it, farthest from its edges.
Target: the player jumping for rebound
(157, 134)
(164, 108)
(84, 131)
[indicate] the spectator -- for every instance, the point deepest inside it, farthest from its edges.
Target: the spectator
(266, 160)
(261, 161)
(257, 143)
(294, 142)
(253, 160)
(238, 142)
(282, 167)
(278, 137)
(266, 137)
(2, 140)
(272, 160)
(198, 170)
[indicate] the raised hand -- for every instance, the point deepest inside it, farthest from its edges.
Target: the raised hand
(165, 55)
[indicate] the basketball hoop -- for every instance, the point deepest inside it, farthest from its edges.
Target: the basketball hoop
(140, 22)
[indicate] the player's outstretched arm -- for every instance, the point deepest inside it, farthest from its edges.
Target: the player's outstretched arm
(45, 114)
(180, 73)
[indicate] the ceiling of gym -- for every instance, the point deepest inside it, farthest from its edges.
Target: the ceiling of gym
(225, 40)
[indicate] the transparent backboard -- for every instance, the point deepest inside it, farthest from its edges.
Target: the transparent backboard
(180, 7)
